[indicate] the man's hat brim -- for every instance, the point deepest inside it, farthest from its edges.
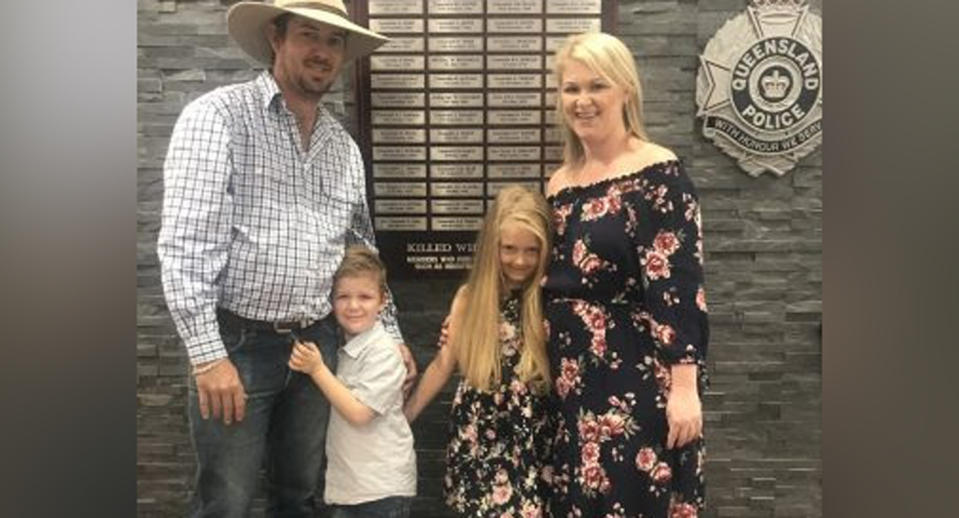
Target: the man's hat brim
(247, 21)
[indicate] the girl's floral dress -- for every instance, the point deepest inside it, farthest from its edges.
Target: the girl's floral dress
(499, 440)
(625, 301)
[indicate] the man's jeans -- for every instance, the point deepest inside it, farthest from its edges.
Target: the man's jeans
(392, 507)
(286, 417)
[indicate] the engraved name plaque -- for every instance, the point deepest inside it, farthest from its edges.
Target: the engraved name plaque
(400, 170)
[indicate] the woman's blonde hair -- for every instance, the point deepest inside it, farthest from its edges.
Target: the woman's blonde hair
(607, 56)
(476, 341)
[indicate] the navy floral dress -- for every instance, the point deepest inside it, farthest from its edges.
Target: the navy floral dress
(625, 301)
(500, 440)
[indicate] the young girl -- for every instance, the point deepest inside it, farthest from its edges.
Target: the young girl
(499, 432)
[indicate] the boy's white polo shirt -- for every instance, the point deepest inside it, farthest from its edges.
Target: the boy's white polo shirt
(376, 460)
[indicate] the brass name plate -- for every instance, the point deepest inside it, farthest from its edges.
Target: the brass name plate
(457, 62)
(457, 189)
(400, 224)
(397, 81)
(456, 117)
(399, 136)
(398, 117)
(572, 25)
(513, 99)
(514, 117)
(456, 81)
(456, 171)
(396, 25)
(514, 62)
(397, 100)
(399, 206)
(386, 170)
(514, 136)
(514, 6)
(400, 189)
(507, 153)
(574, 6)
(469, 44)
(455, 7)
(456, 153)
(514, 25)
(514, 43)
(377, 7)
(399, 153)
(397, 62)
(456, 136)
(405, 44)
(514, 80)
(457, 206)
(456, 100)
(455, 25)
(456, 223)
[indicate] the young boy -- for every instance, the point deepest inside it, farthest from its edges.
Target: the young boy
(371, 470)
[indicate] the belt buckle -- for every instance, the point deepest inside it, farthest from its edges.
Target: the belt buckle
(285, 328)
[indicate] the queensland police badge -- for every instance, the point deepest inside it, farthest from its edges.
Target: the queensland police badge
(759, 86)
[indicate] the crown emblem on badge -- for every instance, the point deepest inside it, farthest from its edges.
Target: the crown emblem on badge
(777, 7)
(778, 4)
(774, 85)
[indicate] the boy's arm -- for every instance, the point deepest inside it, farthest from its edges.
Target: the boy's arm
(354, 411)
(306, 358)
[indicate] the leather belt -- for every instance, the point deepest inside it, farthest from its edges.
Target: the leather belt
(279, 327)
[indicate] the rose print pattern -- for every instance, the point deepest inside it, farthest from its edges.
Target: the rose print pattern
(499, 452)
(625, 301)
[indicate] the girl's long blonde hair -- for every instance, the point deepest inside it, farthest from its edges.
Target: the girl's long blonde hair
(609, 57)
(476, 341)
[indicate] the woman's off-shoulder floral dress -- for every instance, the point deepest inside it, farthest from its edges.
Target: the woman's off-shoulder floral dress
(624, 301)
(499, 446)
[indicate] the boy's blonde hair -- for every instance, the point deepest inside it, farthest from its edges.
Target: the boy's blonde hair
(476, 341)
(609, 57)
(359, 260)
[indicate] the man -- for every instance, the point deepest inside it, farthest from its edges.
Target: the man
(263, 191)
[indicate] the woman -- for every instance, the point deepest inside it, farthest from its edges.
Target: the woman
(624, 301)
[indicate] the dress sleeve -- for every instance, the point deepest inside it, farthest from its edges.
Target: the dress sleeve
(196, 222)
(670, 251)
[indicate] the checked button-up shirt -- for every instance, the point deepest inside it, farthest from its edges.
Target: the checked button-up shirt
(251, 222)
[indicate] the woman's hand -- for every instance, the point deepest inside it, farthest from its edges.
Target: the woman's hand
(684, 412)
(306, 358)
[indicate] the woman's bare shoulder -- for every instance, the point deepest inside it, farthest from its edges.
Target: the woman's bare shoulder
(653, 153)
(558, 181)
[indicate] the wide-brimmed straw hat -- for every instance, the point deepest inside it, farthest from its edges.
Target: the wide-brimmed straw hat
(247, 23)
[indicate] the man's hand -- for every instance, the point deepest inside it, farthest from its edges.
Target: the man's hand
(220, 391)
(410, 364)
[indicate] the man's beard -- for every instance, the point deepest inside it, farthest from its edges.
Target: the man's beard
(308, 88)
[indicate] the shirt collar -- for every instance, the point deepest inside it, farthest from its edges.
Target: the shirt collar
(268, 88)
(358, 343)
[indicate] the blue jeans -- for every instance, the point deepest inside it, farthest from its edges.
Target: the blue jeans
(391, 507)
(285, 424)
